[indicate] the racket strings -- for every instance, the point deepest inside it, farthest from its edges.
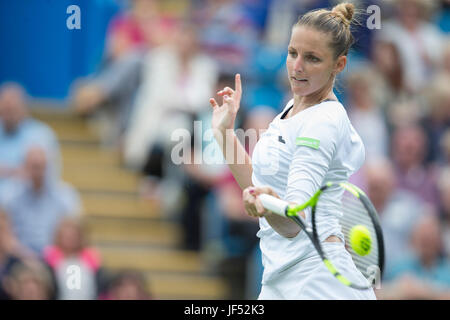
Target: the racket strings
(355, 213)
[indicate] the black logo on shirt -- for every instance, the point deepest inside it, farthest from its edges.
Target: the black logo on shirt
(280, 138)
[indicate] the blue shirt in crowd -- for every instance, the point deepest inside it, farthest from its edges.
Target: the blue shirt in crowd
(13, 146)
(35, 216)
(438, 274)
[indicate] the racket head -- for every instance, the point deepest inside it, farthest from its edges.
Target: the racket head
(354, 210)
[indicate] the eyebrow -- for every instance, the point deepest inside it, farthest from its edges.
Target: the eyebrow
(307, 52)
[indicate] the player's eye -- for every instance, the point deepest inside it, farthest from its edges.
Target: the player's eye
(293, 54)
(313, 58)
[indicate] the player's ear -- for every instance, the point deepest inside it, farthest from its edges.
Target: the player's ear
(341, 62)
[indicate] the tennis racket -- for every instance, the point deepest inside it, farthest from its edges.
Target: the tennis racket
(357, 213)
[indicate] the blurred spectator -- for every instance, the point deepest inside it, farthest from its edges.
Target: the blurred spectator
(36, 203)
(8, 257)
(405, 112)
(70, 249)
(227, 33)
(30, 280)
(437, 119)
(400, 104)
(444, 145)
(398, 209)
(366, 116)
(10, 243)
(409, 149)
(128, 285)
(112, 90)
(143, 26)
(445, 62)
(419, 42)
(110, 94)
(426, 273)
(18, 131)
(130, 30)
(444, 201)
(388, 80)
(177, 80)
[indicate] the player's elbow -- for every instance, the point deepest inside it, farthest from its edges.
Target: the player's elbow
(290, 235)
(283, 226)
(289, 231)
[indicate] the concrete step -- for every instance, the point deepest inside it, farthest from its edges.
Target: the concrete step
(75, 133)
(67, 125)
(88, 154)
(107, 205)
(133, 232)
(152, 260)
(87, 178)
(178, 286)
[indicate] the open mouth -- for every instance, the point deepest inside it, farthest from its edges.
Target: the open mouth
(301, 80)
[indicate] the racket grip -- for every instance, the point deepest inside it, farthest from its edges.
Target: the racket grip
(273, 204)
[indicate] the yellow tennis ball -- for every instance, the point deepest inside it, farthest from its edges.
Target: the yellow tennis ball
(360, 240)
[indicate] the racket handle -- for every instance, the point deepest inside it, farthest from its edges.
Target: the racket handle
(274, 204)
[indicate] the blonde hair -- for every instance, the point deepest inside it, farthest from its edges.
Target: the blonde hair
(35, 270)
(438, 92)
(336, 23)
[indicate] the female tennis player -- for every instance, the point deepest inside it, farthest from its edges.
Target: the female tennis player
(310, 142)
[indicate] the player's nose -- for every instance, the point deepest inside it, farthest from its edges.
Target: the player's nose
(299, 65)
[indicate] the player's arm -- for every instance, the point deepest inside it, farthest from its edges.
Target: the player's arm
(236, 157)
(223, 120)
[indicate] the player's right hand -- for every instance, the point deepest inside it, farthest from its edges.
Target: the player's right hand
(252, 204)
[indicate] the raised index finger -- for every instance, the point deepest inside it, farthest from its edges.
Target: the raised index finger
(238, 84)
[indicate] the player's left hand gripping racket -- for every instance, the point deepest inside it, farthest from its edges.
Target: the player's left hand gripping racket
(360, 226)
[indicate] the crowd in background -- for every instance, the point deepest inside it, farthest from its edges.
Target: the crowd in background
(162, 62)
